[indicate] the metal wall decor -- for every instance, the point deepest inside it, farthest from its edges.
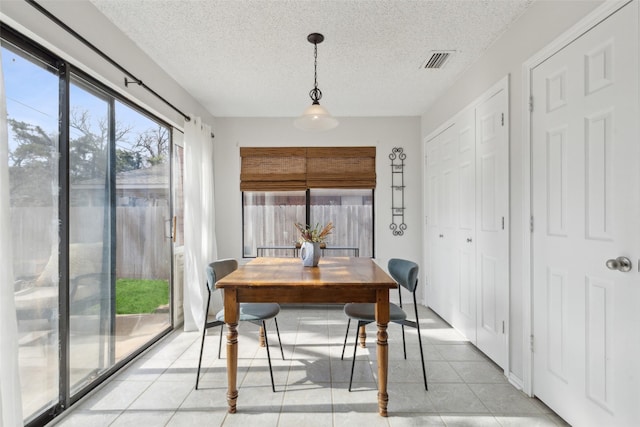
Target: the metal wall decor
(397, 225)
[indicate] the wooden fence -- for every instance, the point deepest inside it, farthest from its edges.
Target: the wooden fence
(273, 226)
(142, 250)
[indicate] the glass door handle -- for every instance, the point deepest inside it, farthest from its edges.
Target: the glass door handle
(173, 228)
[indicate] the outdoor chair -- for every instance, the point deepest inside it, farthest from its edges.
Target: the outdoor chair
(256, 313)
(405, 273)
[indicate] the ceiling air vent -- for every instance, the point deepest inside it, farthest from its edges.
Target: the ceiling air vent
(437, 59)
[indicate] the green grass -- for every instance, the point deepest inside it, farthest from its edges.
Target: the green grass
(140, 296)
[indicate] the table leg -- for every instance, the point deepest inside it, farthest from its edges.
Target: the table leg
(231, 312)
(382, 320)
(363, 336)
(261, 337)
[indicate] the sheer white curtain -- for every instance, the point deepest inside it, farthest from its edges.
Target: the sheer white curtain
(199, 219)
(10, 396)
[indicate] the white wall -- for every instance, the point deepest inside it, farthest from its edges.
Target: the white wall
(541, 24)
(86, 20)
(383, 133)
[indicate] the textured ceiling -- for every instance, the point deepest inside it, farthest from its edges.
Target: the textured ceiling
(251, 58)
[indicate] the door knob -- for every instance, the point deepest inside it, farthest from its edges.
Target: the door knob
(621, 263)
(469, 240)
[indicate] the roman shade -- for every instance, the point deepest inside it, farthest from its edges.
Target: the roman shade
(273, 169)
(300, 168)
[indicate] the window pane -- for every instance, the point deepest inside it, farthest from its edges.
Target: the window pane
(90, 278)
(351, 212)
(143, 230)
(32, 107)
(269, 219)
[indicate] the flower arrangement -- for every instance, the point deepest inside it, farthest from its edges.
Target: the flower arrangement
(315, 234)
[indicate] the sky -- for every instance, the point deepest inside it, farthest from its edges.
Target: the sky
(32, 90)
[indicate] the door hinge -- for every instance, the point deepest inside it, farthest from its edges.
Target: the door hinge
(503, 223)
(531, 343)
(531, 103)
(531, 224)
(502, 119)
(503, 326)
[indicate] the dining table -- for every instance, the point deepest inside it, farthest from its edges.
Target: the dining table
(285, 280)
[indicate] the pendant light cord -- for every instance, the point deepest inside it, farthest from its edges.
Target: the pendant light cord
(315, 94)
(315, 65)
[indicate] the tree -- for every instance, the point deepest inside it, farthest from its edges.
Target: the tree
(89, 144)
(153, 145)
(127, 160)
(33, 163)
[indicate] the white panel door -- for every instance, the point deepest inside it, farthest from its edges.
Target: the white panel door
(586, 210)
(447, 238)
(434, 291)
(464, 301)
(492, 236)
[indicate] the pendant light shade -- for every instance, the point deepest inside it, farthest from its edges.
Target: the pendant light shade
(315, 117)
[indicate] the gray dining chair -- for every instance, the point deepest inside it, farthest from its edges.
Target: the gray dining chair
(256, 313)
(405, 273)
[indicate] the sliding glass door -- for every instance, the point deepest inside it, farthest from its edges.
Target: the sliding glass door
(32, 107)
(143, 229)
(90, 239)
(91, 227)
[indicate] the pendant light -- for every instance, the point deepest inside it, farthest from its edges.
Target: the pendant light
(315, 117)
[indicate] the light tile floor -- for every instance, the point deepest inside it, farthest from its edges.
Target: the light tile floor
(465, 387)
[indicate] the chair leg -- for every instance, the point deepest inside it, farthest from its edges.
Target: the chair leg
(204, 333)
(424, 371)
(220, 342)
(345, 339)
(355, 348)
(404, 343)
(266, 344)
(279, 340)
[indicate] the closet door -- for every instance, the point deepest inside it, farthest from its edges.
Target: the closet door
(431, 223)
(448, 213)
(464, 301)
(436, 293)
(492, 237)
(467, 203)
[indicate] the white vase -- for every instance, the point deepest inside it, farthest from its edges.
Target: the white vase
(310, 254)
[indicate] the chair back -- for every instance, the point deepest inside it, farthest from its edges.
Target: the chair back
(404, 272)
(218, 269)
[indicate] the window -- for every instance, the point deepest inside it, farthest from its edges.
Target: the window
(282, 186)
(351, 212)
(268, 221)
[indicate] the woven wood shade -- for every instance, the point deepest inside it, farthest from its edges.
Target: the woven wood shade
(299, 168)
(273, 169)
(341, 167)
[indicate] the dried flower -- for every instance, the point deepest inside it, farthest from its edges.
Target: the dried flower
(315, 234)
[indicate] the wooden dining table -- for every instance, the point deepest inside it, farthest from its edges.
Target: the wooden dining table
(286, 280)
